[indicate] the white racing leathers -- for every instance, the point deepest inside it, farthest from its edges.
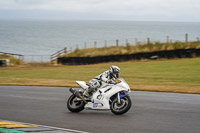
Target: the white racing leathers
(99, 80)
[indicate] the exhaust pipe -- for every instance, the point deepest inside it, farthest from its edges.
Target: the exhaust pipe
(72, 90)
(75, 92)
(78, 94)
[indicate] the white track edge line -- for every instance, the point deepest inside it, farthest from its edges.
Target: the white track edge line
(58, 128)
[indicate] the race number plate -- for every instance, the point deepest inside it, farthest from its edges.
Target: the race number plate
(95, 105)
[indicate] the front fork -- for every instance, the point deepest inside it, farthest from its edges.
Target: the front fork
(119, 96)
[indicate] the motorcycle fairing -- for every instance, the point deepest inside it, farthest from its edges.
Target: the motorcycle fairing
(103, 95)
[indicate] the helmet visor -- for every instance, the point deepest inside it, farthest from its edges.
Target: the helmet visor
(116, 73)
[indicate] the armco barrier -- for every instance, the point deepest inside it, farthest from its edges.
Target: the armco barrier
(169, 54)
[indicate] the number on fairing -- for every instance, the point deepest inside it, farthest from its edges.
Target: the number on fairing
(95, 105)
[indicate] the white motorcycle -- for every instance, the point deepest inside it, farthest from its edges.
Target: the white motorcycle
(114, 97)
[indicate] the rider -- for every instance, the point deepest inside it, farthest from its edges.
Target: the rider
(108, 76)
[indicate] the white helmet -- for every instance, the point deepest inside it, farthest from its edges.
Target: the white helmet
(115, 70)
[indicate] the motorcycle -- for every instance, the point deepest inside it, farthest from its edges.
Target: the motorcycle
(114, 97)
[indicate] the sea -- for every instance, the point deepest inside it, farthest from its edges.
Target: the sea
(38, 39)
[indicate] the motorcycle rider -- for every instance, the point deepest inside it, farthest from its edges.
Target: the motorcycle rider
(108, 76)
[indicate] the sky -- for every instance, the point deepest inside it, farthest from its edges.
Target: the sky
(131, 10)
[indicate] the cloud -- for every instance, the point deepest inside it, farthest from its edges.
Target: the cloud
(121, 8)
(101, 5)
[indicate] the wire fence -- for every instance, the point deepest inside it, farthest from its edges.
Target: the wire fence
(107, 43)
(130, 41)
(19, 56)
(37, 58)
(98, 44)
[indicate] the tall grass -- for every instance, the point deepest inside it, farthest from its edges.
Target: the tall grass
(131, 49)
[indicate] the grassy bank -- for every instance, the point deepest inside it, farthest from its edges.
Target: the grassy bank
(13, 61)
(131, 49)
(181, 75)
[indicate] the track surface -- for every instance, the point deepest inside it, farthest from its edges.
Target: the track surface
(151, 112)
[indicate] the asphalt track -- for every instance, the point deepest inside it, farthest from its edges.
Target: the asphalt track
(151, 112)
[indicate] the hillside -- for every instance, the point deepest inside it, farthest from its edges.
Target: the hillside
(131, 49)
(13, 60)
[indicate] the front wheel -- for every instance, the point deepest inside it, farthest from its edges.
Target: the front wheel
(75, 105)
(122, 107)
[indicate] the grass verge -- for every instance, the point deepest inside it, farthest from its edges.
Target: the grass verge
(178, 75)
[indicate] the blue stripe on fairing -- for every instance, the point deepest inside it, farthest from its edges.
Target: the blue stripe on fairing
(122, 95)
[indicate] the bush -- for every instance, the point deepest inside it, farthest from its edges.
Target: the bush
(158, 46)
(13, 60)
(178, 45)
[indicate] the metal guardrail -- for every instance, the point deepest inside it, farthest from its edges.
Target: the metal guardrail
(58, 53)
(20, 56)
(38, 58)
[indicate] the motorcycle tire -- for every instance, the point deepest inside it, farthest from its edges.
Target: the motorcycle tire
(73, 105)
(121, 108)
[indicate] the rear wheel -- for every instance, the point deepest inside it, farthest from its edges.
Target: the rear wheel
(122, 107)
(75, 105)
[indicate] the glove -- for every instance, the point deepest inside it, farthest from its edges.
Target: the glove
(109, 81)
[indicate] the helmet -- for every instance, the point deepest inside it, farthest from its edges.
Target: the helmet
(115, 70)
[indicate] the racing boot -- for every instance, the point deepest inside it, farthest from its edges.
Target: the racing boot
(87, 93)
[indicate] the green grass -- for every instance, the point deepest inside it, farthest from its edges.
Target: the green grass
(130, 49)
(181, 75)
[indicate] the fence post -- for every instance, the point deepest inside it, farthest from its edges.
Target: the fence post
(65, 50)
(105, 43)
(95, 44)
(85, 45)
(117, 43)
(167, 39)
(148, 40)
(198, 39)
(136, 41)
(127, 42)
(186, 38)
(22, 57)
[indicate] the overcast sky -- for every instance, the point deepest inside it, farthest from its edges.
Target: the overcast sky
(136, 10)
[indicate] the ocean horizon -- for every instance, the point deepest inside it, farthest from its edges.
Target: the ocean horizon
(45, 37)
